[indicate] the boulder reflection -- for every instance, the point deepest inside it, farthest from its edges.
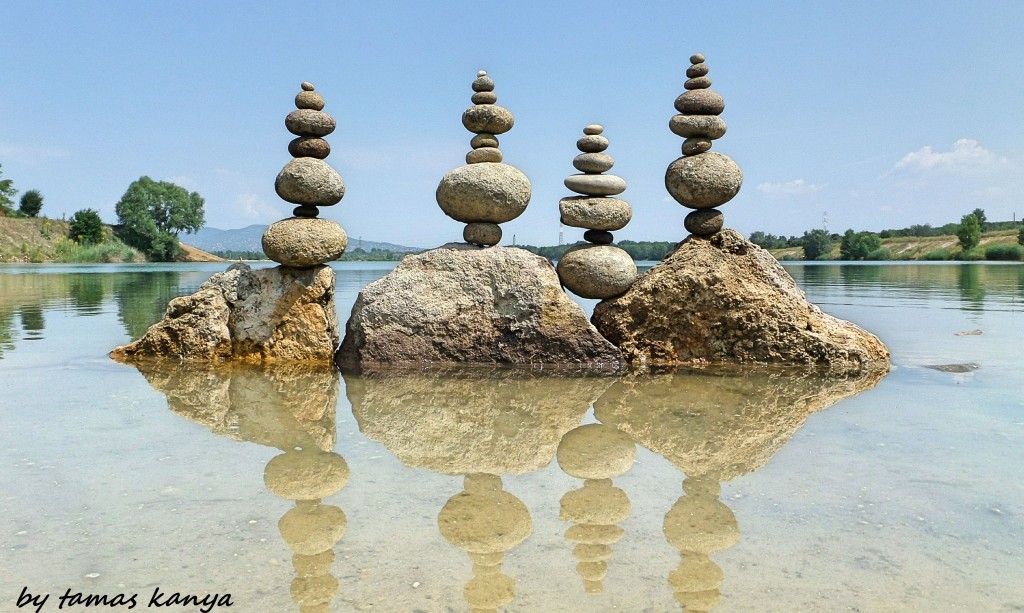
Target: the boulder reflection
(714, 428)
(291, 408)
(481, 424)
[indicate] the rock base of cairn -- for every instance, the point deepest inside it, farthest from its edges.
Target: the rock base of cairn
(266, 315)
(724, 300)
(462, 304)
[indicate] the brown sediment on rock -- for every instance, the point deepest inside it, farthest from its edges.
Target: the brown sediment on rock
(723, 300)
(241, 314)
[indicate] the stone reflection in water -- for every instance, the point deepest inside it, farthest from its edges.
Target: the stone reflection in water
(596, 453)
(291, 407)
(481, 424)
(715, 427)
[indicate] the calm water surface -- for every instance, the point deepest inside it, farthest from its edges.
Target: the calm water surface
(291, 488)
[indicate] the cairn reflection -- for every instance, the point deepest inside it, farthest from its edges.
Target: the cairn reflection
(596, 453)
(480, 424)
(290, 407)
(714, 428)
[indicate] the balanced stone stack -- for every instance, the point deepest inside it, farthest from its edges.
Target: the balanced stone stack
(485, 192)
(305, 241)
(597, 269)
(702, 179)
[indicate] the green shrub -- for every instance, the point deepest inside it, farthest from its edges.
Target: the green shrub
(86, 227)
(972, 255)
(1004, 252)
(939, 254)
(879, 254)
(110, 250)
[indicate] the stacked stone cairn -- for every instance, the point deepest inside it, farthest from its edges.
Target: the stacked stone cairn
(702, 179)
(305, 240)
(597, 269)
(485, 192)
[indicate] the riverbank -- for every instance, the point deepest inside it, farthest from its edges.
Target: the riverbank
(39, 239)
(916, 247)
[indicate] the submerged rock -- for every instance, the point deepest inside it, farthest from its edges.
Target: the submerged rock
(722, 299)
(271, 314)
(464, 304)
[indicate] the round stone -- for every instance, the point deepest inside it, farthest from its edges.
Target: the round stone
(484, 154)
(596, 271)
(697, 70)
(484, 140)
(700, 102)
(595, 213)
(483, 83)
(307, 122)
(597, 502)
(305, 146)
(593, 162)
(306, 475)
(596, 451)
(309, 100)
(484, 192)
(595, 534)
(303, 242)
(305, 210)
(697, 83)
(594, 128)
(306, 86)
(703, 181)
(708, 126)
(704, 222)
(309, 530)
(485, 234)
(697, 58)
(592, 143)
(695, 145)
(484, 98)
(489, 118)
(596, 185)
(598, 237)
(310, 181)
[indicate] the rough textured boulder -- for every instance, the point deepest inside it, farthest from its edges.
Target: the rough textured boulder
(270, 314)
(722, 299)
(462, 304)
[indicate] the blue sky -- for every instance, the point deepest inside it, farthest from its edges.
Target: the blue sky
(883, 114)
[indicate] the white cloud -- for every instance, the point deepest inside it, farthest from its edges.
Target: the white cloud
(253, 208)
(797, 186)
(967, 156)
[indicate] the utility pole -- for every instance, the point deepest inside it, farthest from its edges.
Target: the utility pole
(824, 222)
(561, 234)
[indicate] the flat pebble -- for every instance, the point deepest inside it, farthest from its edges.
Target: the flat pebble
(489, 118)
(695, 145)
(593, 162)
(592, 143)
(305, 146)
(596, 185)
(598, 237)
(697, 70)
(484, 98)
(484, 154)
(700, 102)
(484, 140)
(309, 100)
(307, 122)
(707, 126)
(697, 83)
(600, 213)
(594, 128)
(483, 83)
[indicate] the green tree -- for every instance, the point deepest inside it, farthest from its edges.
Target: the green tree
(980, 214)
(152, 213)
(1020, 236)
(86, 227)
(858, 245)
(969, 232)
(817, 244)
(31, 203)
(7, 193)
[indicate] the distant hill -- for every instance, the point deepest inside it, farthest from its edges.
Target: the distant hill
(248, 239)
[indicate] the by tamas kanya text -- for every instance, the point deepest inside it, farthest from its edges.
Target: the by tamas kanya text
(158, 599)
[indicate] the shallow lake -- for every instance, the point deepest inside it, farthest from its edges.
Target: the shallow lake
(290, 488)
